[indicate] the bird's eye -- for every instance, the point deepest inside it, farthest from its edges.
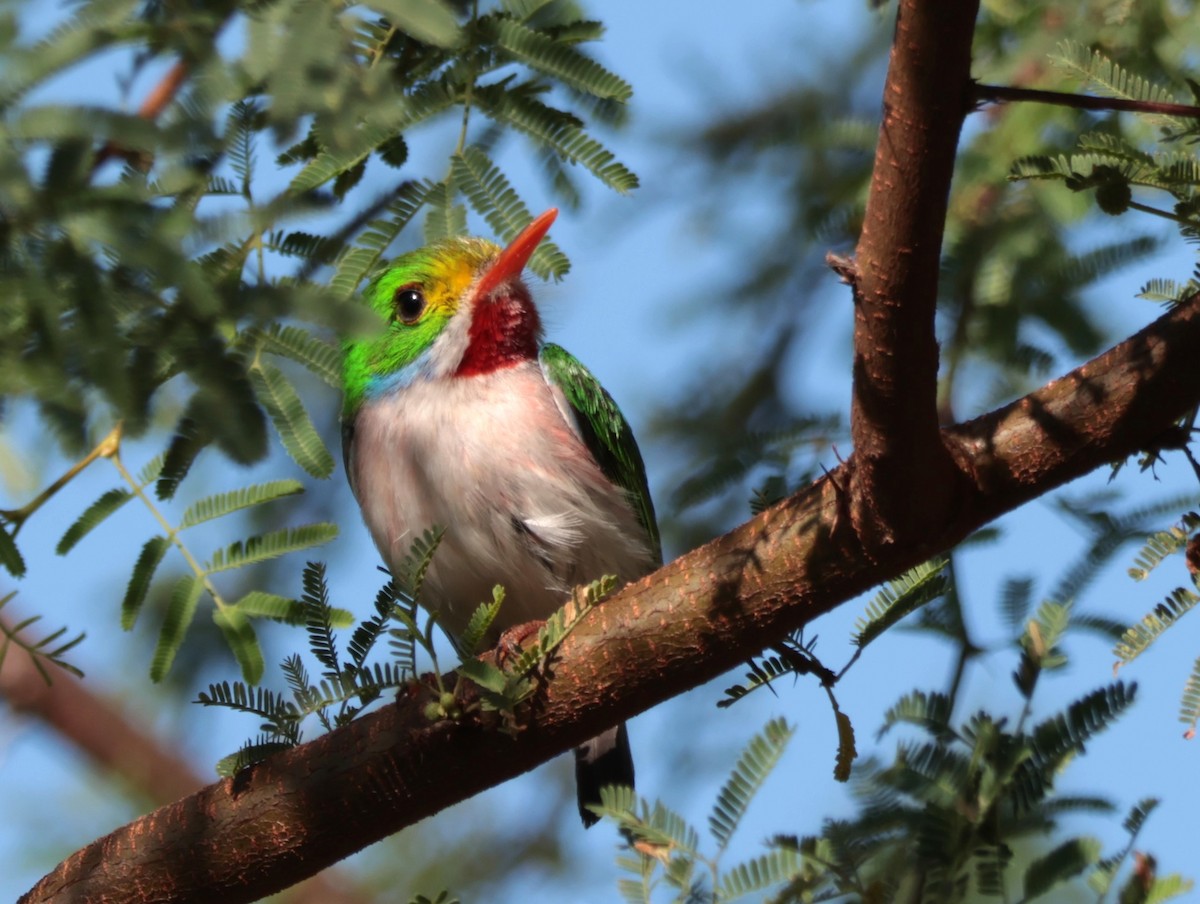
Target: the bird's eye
(408, 303)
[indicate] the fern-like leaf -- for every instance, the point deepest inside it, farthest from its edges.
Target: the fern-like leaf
(291, 420)
(10, 556)
(754, 765)
(1065, 862)
(190, 440)
(147, 563)
(368, 632)
(1055, 739)
(1162, 544)
(315, 600)
(928, 711)
(445, 218)
(1168, 291)
(270, 545)
(181, 609)
(905, 594)
(477, 629)
(557, 130)
(242, 641)
(411, 574)
(495, 199)
(320, 357)
(560, 61)
(430, 21)
(1138, 814)
(356, 263)
(1189, 705)
(1139, 637)
(41, 651)
(91, 518)
(1106, 77)
(762, 872)
(221, 504)
(1015, 598)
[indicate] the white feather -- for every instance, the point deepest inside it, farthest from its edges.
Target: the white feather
(493, 460)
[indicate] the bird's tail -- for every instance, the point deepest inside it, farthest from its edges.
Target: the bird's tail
(604, 760)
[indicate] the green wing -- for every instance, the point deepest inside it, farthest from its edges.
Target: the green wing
(605, 432)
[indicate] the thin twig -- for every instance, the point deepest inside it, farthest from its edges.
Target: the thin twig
(156, 101)
(999, 94)
(106, 448)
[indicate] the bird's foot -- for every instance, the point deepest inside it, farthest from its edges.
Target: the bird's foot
(513, 639)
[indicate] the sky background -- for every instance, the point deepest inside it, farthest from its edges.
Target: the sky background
(637, 261)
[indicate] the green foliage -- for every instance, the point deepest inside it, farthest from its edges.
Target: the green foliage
(343, 690)
(1162, 544)
(1039, 645)
(181, 609)
(1112, 167)
(669, 848)
(222, 504)
(1100, 73)
(92, 516)
(1065, 862)
(963, 810)
(233, 620)
(753, 766)
(503, 689)
(144, 568)
(1189, 708)
(266, 546)
(47, 650)
(292, 422)
(10, 556)
(489, 192)
(472, 638)
(900, 597)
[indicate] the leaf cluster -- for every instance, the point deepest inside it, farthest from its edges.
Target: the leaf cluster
(345, 686)
(952, 816)
(505, 686)
(48, 650)
(233, 618)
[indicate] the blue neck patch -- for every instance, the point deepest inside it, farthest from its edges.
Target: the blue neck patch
(415, 371)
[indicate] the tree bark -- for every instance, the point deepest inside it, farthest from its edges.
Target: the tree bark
(104, 734)
(894, 414)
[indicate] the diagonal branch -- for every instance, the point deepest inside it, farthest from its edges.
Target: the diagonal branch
(894, 418)
(999, 94)
(103, 733)
(703, 614)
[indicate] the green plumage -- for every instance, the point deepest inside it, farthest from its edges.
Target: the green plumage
(606, 433)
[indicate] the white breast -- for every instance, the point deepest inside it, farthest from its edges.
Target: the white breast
(492, 460)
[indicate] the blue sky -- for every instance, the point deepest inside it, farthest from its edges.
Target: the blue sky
(636, 262)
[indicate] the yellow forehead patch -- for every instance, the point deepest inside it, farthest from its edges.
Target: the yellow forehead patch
(453, 273)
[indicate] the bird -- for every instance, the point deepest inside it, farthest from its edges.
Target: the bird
(458, 414)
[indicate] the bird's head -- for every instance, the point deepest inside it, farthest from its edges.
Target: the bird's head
(452, 309)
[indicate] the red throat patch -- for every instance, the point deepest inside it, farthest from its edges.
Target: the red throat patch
(504, 332)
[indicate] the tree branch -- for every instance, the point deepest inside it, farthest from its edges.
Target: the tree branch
(694, 619)
(999, 94)
(894, 417)
(102, 732)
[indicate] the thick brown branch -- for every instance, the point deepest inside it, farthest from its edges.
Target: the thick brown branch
(689, 622)
(997, 94)
(894, 417)
(101, 731)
